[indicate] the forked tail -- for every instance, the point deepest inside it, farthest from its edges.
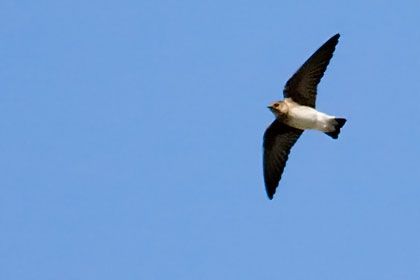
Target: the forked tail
(338, 124)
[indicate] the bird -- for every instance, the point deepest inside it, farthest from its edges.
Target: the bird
(297, 113)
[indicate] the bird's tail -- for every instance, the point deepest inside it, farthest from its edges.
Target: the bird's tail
(338, 124)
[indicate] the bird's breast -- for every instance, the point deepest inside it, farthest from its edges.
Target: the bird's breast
(302, 117)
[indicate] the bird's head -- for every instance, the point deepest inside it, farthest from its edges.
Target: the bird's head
(278, 108)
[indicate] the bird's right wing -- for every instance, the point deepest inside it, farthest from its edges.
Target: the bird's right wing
(278, 141)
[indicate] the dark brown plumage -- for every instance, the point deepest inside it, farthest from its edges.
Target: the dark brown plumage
(279, 138)
(301, 87)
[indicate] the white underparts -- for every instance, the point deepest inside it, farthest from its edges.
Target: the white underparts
(303, 117)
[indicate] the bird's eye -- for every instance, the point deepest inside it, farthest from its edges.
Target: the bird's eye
(276, 105)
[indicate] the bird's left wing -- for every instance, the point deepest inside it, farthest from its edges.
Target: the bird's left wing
(301, 87)
(278, 141)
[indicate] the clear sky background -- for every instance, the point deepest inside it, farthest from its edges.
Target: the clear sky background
(131, 141)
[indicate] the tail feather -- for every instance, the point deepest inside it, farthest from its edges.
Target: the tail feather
(339, 123)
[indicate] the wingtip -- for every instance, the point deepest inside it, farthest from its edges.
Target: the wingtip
(335, 37)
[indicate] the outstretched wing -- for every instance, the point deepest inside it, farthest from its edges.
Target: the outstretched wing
(278, 141)
(301, 87)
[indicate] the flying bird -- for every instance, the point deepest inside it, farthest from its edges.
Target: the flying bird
(297, 113)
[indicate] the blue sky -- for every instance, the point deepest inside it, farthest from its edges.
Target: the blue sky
(131, 141)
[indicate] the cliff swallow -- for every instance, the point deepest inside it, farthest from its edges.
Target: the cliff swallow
(297, 113)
